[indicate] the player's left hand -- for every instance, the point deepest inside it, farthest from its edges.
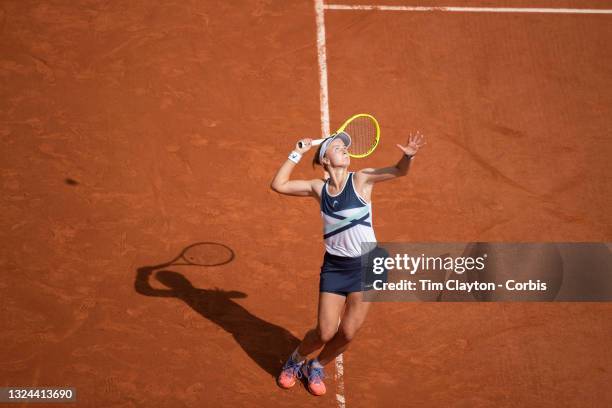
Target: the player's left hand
(415, 142)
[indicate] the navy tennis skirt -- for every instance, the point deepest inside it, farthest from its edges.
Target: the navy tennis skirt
(343, 275)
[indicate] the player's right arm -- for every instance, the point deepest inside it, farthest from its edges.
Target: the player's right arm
(282, 183)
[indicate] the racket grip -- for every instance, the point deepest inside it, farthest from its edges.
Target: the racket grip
(315, 142)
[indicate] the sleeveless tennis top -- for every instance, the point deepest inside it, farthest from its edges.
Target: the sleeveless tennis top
(347, 220)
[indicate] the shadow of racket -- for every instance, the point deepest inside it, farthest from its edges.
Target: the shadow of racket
(203, 254)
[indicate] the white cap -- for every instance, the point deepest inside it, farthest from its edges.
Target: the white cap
(341, 135)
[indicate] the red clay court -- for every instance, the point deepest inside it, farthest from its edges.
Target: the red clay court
(131, 130)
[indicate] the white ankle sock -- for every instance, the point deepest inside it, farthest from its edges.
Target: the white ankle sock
(297, 357)
(316, 364)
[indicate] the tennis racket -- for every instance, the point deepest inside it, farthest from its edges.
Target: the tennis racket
(364, 132)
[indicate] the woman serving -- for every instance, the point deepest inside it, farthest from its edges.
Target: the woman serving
(346, 209)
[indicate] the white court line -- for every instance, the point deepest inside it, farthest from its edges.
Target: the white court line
(468, 9)
(324, 105)
(322, 58)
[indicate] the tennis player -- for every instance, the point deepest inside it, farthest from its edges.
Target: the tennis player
(346, 209)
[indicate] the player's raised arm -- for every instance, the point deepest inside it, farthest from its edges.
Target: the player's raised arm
(281, 182)
(372, 175)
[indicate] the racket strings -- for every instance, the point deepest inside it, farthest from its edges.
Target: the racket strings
(362, 131)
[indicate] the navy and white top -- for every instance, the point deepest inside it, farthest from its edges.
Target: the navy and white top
(347, 220)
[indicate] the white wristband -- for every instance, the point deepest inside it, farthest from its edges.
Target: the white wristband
(295, 157)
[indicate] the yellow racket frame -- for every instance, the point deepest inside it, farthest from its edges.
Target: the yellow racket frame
(359, 115)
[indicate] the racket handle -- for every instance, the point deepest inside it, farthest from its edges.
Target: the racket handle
(315, 142)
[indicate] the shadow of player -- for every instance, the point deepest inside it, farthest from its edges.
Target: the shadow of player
(266, 343)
